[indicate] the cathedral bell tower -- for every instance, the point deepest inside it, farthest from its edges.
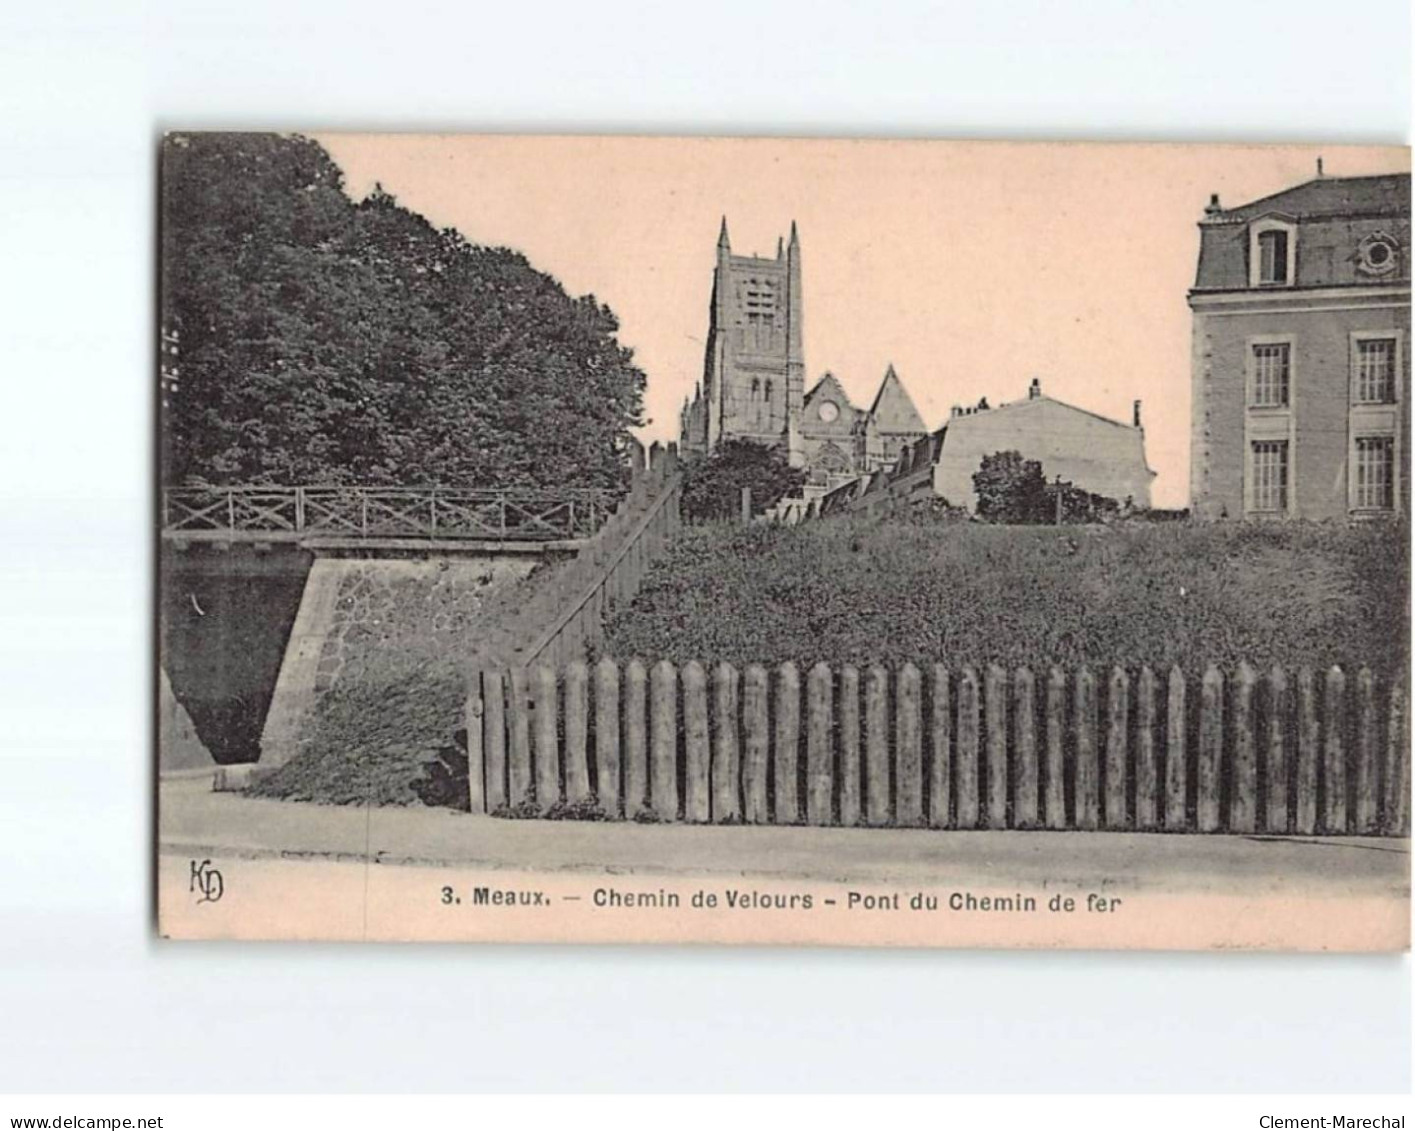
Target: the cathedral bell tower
(754, 364)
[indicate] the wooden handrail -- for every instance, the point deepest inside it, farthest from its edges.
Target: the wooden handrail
(669, 492)
(255, 511)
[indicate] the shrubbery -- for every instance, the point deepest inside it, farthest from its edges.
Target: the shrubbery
(712, 485)
(854, 590)
(1015, 491)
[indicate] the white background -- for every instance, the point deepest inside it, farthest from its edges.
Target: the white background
(90, 1001)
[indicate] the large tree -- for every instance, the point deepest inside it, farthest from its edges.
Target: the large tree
(327, 341)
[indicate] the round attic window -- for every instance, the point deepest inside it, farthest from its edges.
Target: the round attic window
(828, 411)
(1376, 255)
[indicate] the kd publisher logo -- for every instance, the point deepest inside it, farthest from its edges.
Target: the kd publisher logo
(206, 880)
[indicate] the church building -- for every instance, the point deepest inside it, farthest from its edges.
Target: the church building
(753, 385)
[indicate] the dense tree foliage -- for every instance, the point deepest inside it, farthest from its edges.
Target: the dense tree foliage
(323, 340)
(712, 486)
(1014, 491)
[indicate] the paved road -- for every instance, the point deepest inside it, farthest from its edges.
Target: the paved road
(193, 819)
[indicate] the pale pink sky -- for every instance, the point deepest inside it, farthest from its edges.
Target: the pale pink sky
(971, 266)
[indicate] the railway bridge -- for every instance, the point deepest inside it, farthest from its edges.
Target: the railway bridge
(257, 584)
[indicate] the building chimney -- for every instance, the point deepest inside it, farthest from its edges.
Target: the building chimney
(1213, 208)
(1035, 390)
(1137, 415)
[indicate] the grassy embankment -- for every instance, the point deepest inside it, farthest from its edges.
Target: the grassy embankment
(854, 590)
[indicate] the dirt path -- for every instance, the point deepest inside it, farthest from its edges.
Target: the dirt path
(193, 819)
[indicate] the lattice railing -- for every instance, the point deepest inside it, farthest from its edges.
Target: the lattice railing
(254, 513)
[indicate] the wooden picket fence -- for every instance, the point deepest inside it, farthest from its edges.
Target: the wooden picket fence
(1320, 753)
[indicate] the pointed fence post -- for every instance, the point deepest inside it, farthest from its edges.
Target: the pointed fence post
(1176, 754)
(1308, 752)
(663, 754)
(577, 770)
(849, 746)
(1087, 759)
(725, 766)
(1243, 798)
(1395, 808)
(1365, 820)
(494, 739)
(1117, 750)
(1210, 749)
(545, 748)
(1334, 752)
(995, 692)
(756, 738)
(696, 806)
(1056, 749)
(606, 735)
(820, 783)
(940, 751)
(877, 747)
(518, 761)
(1024, 728)
(908, 744)
(967, 753)
(476, 754)
(1276, 753)
(788, 730)
(636, 745)
(1147, 775)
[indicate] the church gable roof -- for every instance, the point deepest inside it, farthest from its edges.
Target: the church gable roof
(828, 388)
(893, 409)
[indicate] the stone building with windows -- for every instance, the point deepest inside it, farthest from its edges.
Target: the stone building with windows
(753, 384)
(1301, 362)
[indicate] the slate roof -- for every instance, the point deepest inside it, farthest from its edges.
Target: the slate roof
(1042, 398)
(1386, 194)
(893, 409)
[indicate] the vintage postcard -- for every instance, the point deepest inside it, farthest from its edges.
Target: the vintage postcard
(845, 542)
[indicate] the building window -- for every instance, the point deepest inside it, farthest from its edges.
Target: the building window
(1272, 368)
(1269, 476)
(1377, 254)
(1272, 258)
(1375, 371)
(1375, 473)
